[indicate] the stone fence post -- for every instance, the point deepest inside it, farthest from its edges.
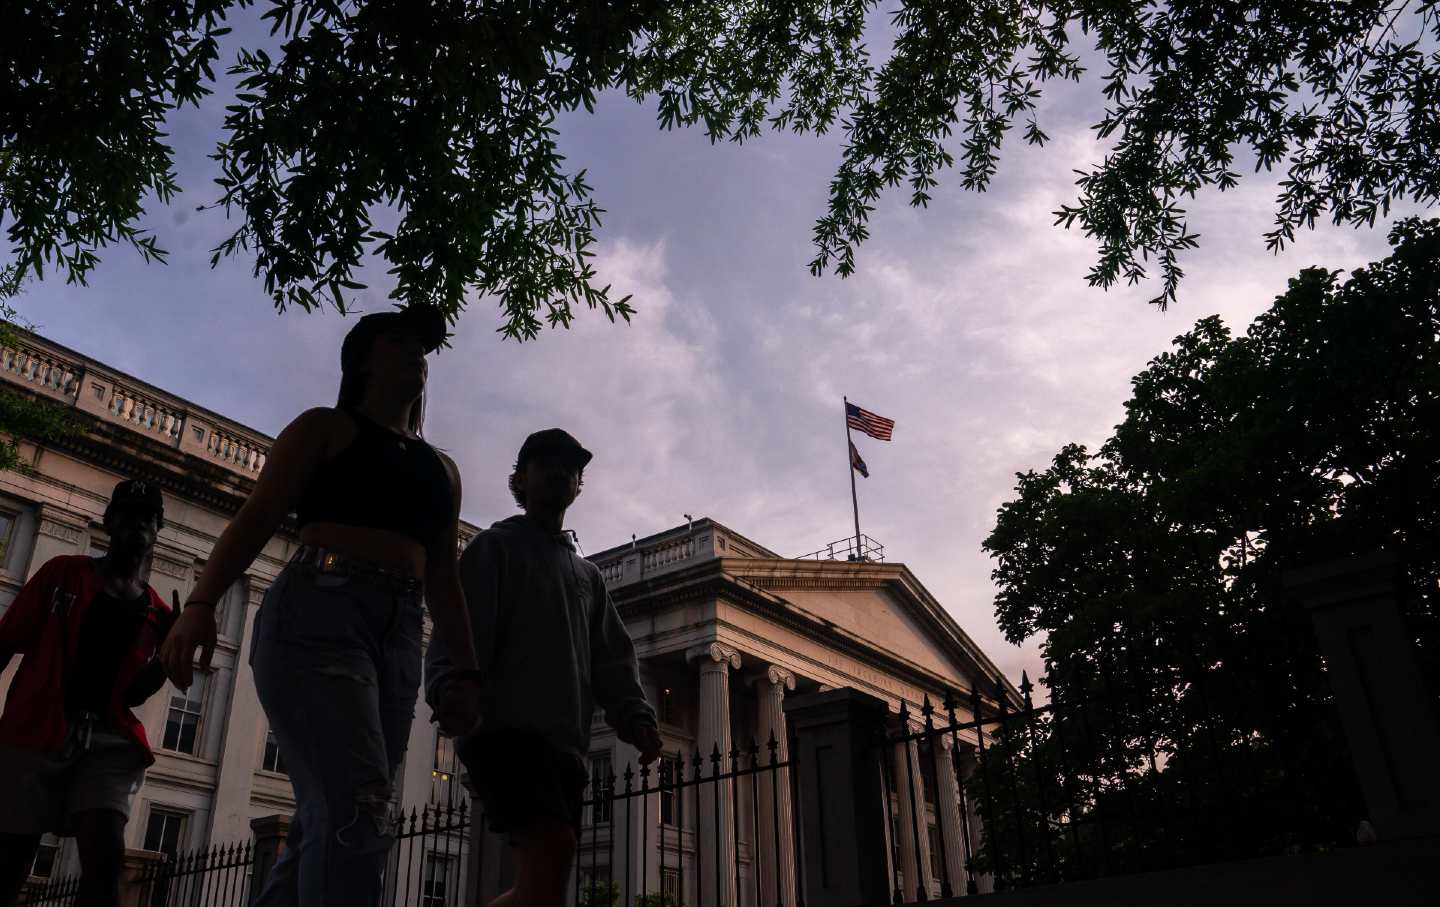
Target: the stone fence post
(270, 834)
(1387, 712)
(838, 735)
(139, 866)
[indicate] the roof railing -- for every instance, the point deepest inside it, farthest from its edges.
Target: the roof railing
(845, 549)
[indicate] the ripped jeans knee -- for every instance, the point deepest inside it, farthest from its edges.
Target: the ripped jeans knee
(372, 822)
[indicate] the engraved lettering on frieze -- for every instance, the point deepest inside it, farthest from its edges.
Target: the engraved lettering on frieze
(873, 677)
(62, 531)
(170, 568)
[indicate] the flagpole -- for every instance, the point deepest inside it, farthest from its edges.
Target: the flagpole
(850, 461)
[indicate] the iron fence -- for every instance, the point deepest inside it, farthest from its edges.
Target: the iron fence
(425, 868)
(1116, 783)
(679, 812)
(218, 876)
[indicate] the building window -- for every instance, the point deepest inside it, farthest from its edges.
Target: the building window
(272, 760)
(442, 772)
(7, 535)
(182, 724)
(164, 831)
(46, 856)
(673, 769)
(665, 705)
(670, 887)
(437, 873)
(602, 786)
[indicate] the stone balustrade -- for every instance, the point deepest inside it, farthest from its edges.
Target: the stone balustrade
(612, 572)
(30, 366)
(242, 454)
(681, 549)
(145, 414)
(170, 420)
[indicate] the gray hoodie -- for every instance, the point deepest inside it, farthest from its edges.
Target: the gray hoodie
(550, 644)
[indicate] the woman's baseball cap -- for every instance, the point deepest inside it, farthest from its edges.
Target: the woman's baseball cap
(426, 322)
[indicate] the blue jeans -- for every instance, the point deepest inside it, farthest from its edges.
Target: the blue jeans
(337, 667)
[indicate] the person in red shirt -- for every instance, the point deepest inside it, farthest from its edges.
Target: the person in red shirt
(72, 753)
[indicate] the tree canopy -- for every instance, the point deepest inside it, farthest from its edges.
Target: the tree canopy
(1154, 567)
(444, 110)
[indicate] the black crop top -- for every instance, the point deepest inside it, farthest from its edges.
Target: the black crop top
(383, 480)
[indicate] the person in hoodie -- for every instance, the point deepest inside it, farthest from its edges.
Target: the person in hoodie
(551, 648)
(72, 753)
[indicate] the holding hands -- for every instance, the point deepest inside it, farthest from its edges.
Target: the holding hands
(457, 705)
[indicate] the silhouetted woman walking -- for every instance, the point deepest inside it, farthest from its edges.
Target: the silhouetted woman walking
(336, 647)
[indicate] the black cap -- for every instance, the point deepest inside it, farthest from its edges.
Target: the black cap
(554, 440)
(137, 494)
(426, 322)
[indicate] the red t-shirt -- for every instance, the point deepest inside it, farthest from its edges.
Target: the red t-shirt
(43, 625)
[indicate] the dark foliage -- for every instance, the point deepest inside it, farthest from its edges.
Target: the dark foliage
(1183, 677)
(444, 111)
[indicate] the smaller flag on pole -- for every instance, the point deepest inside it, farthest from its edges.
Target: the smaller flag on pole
(856, 463)
(877, 427)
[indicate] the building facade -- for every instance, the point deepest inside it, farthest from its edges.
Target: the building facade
(725, 630)
(217, 767)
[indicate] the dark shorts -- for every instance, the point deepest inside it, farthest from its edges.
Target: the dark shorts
(521, 778)
(42, 792)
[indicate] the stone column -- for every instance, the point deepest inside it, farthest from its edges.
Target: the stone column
(776, 855)
(270, 835)
(952, 821)
(245, 728)
(969, 766)
(914, 851)
(717, 854)
(1380, 689)
(842, 825)
(137, 877)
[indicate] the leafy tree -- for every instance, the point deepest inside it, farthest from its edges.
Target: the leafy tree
(444, 111)
(1154, 568)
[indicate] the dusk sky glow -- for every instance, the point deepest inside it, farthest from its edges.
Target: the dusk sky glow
(970, 324)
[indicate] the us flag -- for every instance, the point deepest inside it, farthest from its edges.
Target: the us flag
(877, 427)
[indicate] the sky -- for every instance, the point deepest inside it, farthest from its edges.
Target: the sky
(970, 324)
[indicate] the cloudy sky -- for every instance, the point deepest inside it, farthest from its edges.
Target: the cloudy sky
(970, 324)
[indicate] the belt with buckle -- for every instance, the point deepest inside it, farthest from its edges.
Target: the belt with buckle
(327, 560)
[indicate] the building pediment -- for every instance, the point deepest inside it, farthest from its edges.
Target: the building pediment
(881, 605)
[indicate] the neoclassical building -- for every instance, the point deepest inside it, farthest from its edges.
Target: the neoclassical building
(725, 629)
(217, 766)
